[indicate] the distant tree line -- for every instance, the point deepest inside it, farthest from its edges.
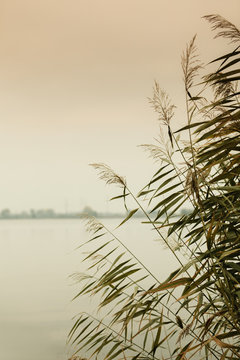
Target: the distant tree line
(37, 214)
(48, 213)
(52, 214)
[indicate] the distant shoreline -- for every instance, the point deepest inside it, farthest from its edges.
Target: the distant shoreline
(115, 216)
(65, 216)
(50, 214)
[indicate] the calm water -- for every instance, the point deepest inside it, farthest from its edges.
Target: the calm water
(36, 259)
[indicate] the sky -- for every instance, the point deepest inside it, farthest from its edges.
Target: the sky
(75, 78)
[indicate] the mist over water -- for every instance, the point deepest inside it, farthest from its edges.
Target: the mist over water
(36, 259)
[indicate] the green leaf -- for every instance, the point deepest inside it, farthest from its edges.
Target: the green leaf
(171, 284)
(226, 57)
(158, 335)
(97, 250)
(228, 253)
(190, 126)
(160, 177)
(130, 214)
(232, 62)
(143, 193)
(167, 207)
(119, 196)
(166, 200)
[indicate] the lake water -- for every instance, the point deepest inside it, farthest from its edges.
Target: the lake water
(36, 259)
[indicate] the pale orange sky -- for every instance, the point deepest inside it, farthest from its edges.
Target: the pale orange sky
(75, 77)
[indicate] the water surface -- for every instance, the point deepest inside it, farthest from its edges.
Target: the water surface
(36, 259)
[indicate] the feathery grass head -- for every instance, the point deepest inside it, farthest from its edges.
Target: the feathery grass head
(221, 85)
(223, 89)
(226, 29)
(155, 152)
(161, 104)
(92, 225)
(162, 152)
(190, 63)
(108, 175)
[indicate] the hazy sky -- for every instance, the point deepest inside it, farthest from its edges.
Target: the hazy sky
(75, 77)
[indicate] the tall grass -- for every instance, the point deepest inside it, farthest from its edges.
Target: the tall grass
(195, 312)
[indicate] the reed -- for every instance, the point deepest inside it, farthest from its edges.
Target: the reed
(195, 312)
